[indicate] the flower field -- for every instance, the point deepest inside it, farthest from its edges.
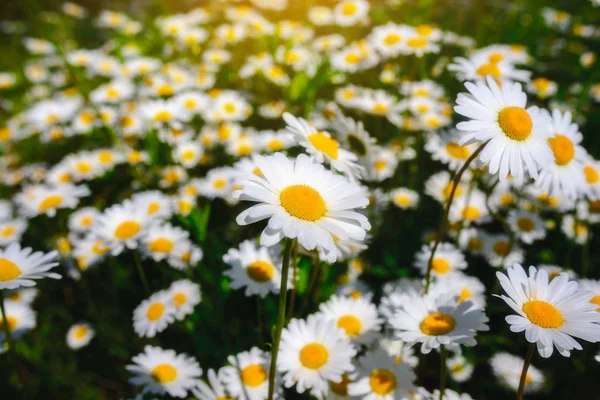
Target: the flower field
(285, 199)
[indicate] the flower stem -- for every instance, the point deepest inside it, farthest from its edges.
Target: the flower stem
(280, 315)
(5, 324)
(528, 359)
(444, 224)
(290, 311)
(141, 273)
(443, 370)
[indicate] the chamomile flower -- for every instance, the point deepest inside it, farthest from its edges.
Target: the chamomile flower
(515, 136)
(542, 87)
(469, 208)
(213, 390)
(575, 229)
(21, 266)
(439, 186)
(508, 368)
(350, 12)
(22, 296)
(46, 200)
(550, 313)
(404, 198)
(82, 220)
(500, 251)
(528, 226)
(302, 200)
(154, 204)
(12, 230)
(447, 259)
(154, 314)
(164, 372)
(592, 286)
(80, 335)
(380, 377)
(461, 287)
(445, 148)
(159, 241)
(471, 240)
(20, 319)
(382, 164)
(185, 295)
(312, 353)
(357, 317)
(120, 226)
(185, 255)
(438, 321)
(459, 368)
(248, 376)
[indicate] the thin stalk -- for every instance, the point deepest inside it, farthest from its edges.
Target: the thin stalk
(5, 324)
(141, 273)
(281, 314)
(443, 370)
(528, 359)
(314, 273)
(290, 311)
(444, 224)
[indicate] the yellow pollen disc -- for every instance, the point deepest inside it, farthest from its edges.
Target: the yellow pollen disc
(448, 189)
(83, 167)
(165, 90)
(424, 30)
(355, 294)
(245, 150)
(155, 311)
(188, 155)
(51, 119)
(525, 224)
(349, 9)
(392, 39)
(127, 121)
(506, 199)
(275, 145)
(99, 247)
(596, 300)
(52, 201)
(382, 382)
(86, 221)
(402, 200)
(179, 299)
(515, 122)
(161, 245)
(542, 313)
(186, 257)
(591, 175)
(457, 151)
(325, 144)
(440, 265)
(229, 108)
(380, 165)
(153, 207)
(256, 171)
(437, 323)
(163, 116)
(80, 332)
(12, 323)
(580, 229)
(314, 356)
(190, 104)
(541, 84)
(495, 58)
(465, 294)
(475, 244)
(563, 149)
(340, 388)
(112, 93)
(8, 270)
(352, 58)
(7, 231)
(63, 245)
(127, 229)
(303, 202)
(350, 324)
(219, 183)
(502, 248)
(164, 373)
(595, 206)
(489, 69)
(260, 271)
(254, 375)
(470, 213)
(379, 108)
(417, 43)
(105, 157)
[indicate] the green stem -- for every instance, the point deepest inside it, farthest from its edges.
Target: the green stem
(141, 273)
(290, 310)
(443, 370)
(5, 324)
(290, 243)
(526, 364)
(444, 224)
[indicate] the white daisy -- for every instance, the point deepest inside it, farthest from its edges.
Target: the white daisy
(447, 259)
(154, 314)
(20, 266)
(12, 230)
(459, 368)
(185, 295)
(528, 226)
(500, 251)
(214, 390)
(357, 317)
(20, 319)
(120, 226)
(159, 241)
(248, 376)
(79, 335)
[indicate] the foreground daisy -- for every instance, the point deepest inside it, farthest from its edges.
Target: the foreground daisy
(247, 378)
(313, 352)
(516, 136)
(164, 372)
(551, 314)
(79, 335)
(358, 318)
(20, 266)
(302, 200)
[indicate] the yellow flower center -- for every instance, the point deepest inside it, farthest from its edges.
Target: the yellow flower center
(470, 213)
(391, 39)
(542, 313)
(8, 270)
(275, 145)
(380, 165)
(402, 200)
(325, 144)
(12, 323)
(7, 231)
(563, 149)
(260, 271)
(349, 9)
(350, 324)
(229, 108)
(379, 108)
(437, 323)
(165, 90)
(525, 224)
(352, 58)
(179, 299)
(382, 382)
(254, 375)
(153, 207)
(448, 189)
(99, 248)
(417, 43)
(80, 332)
(440, 265)
(591, 175)
(303, 202)
(340, 388)
(164, 373)
(188, 155)
(161, 245)
(127, 229)
(502, 248)
(465, 294)
(314, 356)
(541, 84)
(489, 69)
(457, 151)
(495, 58)
(424, 30)
(155, 311)
(515, 122)
(596, 300)
(163, 116)
(355, 294)
(475, 244)
(51, 201)
(219, 183)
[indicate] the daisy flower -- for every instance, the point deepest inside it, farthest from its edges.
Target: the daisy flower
(302, 200)
(79, 335)
(120, 226)
(350, 12)
(82, 220)
(574, 229)
(313, 352)
(256, 268)
(438, 321)
(21, 266)
(46, 200)
(185, 255)
(12, 230)
(23, 296)
(20, 319)
(404, 198)
(550, 313)
(471, 240)
(382, 164)
(156, 204)
(461, 287)
(447, 259)
(515, 136)
(380, 377)
(444, 147)
(399, 351)
(248, 377)
(528, 226)
(357, 317)
(154, 314)
(591, 171)
(160, 240)
(469, 208)
(508, 368)
(439, 186)
(164, 372)
(500, 252)
(213, 390)
(459, 368)
(321, 146)
(185, 295)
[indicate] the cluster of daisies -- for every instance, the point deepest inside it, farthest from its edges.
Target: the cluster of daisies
(305, 128)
